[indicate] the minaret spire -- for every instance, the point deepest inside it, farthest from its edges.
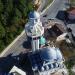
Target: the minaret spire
(35, 30)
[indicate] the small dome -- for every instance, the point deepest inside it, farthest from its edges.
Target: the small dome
(34, 14)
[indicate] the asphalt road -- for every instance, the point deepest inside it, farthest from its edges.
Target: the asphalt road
(19, 46)
(42, 6)
(55, 8)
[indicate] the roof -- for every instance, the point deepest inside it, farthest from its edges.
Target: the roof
(34, 14)
(72, 27)
(56, 25)
(42, 40)
(52, 53)
(61, 27)
(36, 30)
(71, 11)
(17, 70)
(45, 58)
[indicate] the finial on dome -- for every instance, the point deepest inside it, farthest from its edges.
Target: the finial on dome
(34, 14)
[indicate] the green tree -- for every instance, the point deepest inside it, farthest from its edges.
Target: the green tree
(1, 6)
(9, 7)
(13, 16)
(16, 17)
(1, 45)
(30, 6)
(2, 31)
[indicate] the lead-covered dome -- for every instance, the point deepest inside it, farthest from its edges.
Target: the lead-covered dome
(48, 54)
(51, 53)
(34, 14)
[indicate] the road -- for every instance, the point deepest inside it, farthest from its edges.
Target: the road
(43, 5)
(55, 8)
(18, 47)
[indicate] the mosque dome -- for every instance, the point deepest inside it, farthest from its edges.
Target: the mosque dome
(51, 53)
(48, 54)
(34, 14)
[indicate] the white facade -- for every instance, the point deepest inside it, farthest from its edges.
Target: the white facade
(33, 43)
(15, 71)
(34, 29)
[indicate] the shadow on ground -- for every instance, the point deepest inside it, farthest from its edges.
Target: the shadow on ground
(63, 15)
(27, 44)
(71, 21)
(21, 61)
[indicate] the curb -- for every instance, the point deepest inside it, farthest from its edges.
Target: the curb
(47, 7)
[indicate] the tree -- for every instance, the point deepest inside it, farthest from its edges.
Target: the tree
(4, 19)
(16, 17)
(30, 6)
(1, 6)
(13, 16)
(9, 7)
(2, 31)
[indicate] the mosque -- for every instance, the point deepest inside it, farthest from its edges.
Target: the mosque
(44, 60)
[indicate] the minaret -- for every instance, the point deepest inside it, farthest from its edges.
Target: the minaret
(35, 30)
